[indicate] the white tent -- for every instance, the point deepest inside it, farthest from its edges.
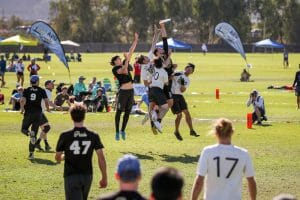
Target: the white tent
(70, 43)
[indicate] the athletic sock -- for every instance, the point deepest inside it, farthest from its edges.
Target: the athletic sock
(46, 142)
(38, 141)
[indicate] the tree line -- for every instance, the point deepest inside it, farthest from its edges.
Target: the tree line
(192, 20)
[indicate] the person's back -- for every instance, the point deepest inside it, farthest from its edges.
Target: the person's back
(224, 166)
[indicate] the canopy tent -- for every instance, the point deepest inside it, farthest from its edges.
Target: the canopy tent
(174, 44)
(70, 43)
(267, 43)
(19, 40)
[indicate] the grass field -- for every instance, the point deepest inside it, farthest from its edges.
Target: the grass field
(275, 148)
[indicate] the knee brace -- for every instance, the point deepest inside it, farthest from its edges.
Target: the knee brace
(46, 128)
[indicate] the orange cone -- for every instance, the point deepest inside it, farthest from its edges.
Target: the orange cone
(249, 120)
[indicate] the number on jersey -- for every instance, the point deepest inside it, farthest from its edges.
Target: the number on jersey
(76, 147)
(235, 161)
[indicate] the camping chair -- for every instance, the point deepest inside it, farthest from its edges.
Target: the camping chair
(107, 85)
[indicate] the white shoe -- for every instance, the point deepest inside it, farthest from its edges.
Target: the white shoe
(158, 126)
(146, 118)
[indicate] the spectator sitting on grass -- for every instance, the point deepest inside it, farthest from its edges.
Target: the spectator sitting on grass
(16, 97)
(61, 98)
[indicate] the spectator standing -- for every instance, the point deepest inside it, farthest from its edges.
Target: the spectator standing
(19, 66)
(76, 147)
(285, 59)
(222, 166)
(167, 184)
(204, 48)
(33, 68)
(137, 72)
(296, 85)
(2, 70)
(128, 175)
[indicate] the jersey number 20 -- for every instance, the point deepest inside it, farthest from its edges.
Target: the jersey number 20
(76, 147)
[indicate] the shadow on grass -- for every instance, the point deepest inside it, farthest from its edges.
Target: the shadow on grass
(181, 158)
(43, 161)
(140, 156)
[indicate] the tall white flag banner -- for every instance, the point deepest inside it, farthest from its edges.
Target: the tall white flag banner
(229, 34)
(47, 36)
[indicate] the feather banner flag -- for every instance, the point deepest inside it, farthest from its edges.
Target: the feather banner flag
(47, 36)
(229, 34)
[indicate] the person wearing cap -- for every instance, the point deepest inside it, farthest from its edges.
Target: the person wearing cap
(33, 68)
(15, 98)
(76, 148)
(31, 107)
(44, 123)
(63, 97)
(125, 96)
(2, 70)
(180, 83)
(128, 175)
(79, 88)
(222, 167)
(19, 66)
(296, 85)
(258, 103)
(167, 184)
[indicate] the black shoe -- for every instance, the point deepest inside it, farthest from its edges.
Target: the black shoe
(259, 123)
(178, 136)
(38, 147)
(193, 133)
(31, 156)
(264, 118)
(47, 147)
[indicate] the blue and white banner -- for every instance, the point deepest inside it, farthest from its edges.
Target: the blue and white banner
(229, 34)
(47, 36)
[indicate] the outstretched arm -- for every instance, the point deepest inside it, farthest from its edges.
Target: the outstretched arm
(124, 69)
(154, 41)
(164, 38)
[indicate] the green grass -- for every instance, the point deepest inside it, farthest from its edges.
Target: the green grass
(275, 149)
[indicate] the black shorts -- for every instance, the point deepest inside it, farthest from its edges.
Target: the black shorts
(43, 120)
(20, 73)
(157, 96)
(254, 116)
(179, 104)
(77, 186)
(297, 91)
(33, 120)
(125, 100)
(167, 92)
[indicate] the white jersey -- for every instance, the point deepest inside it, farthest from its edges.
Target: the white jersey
(159, 78)
(19, 67)
(146, 72)
(223, 167)
(49, 97)
(259, 102)
(179, 77)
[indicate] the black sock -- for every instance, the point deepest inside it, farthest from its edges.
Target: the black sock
(152, 124)
(125, 120)
(46, 142)
(159, 120)
(117, 120)
(38, 141)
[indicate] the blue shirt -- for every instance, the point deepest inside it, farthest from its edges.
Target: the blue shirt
(79, 87)
(2, 65)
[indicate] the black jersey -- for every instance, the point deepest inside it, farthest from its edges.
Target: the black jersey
(124, 195)
(34, 96)
(297, 79)
(122, 78)
(78, 145)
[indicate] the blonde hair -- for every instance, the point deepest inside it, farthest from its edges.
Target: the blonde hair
(222, 128)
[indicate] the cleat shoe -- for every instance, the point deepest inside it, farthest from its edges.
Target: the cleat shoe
(178, 136)
(259, 123)
(154, 131)
(48, 147)
(32, 137)
(158, 126)
(123, 135)
(264, 118)
(38, 147)
(146, 118)
(31, 156)
(193, 133)
(117, 136)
